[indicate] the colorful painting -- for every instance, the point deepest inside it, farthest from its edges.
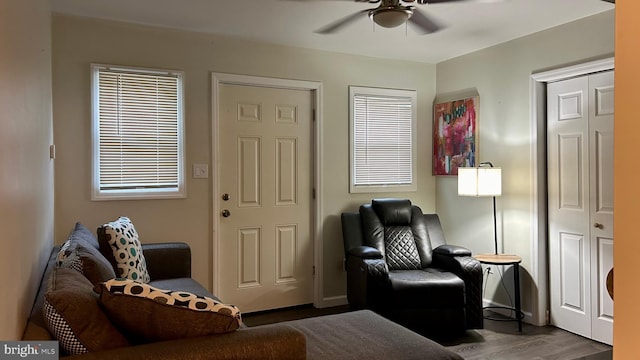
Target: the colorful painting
(455, 125)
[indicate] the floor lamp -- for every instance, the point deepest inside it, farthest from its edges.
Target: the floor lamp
(482, 181)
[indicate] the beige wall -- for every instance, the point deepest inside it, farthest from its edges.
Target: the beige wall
(626, 195)
(501, 75)
(26, 172)
(26, 200)
(79, 41)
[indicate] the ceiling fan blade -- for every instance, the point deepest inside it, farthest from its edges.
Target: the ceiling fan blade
(336, 25)
(446, 1)
(436, 1)
(426, 24)
(363, 1)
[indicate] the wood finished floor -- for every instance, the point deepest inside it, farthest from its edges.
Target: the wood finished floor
(499, 340)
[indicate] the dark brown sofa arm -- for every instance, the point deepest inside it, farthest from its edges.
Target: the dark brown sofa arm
(167, 260)
(273, 342)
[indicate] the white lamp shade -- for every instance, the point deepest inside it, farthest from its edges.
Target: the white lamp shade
(474, 181)
(467, 181)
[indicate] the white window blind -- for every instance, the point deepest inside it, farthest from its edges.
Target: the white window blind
(138, 119)
(382, 139)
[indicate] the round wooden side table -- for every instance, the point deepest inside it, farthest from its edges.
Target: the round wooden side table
(506, 259)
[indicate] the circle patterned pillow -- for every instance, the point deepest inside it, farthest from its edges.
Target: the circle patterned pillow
(123, 240)
(146, 313)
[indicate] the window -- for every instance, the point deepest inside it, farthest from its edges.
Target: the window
(138, 150)
(382, 137)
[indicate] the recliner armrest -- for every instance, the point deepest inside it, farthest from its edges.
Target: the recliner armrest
(452, 250)
(459, 261)
(365, 252)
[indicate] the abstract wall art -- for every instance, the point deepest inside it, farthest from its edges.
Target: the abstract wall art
(455, 140)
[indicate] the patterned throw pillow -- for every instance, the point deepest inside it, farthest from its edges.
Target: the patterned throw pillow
(121, 238)
(80, 234)
(85, 259)
(73, 315)
(64, 253)
(149, 314)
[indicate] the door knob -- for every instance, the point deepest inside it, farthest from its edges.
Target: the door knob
(598, 226)
(226, 213)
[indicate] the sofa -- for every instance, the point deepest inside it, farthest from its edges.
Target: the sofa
(78, 293)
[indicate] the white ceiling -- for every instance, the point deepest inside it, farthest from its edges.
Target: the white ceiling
(469, 25)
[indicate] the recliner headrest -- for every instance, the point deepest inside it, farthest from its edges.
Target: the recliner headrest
(392, 212)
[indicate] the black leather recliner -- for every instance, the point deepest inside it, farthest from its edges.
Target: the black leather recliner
(399, 266)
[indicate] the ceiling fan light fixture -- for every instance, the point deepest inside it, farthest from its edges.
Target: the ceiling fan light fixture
(390, 17)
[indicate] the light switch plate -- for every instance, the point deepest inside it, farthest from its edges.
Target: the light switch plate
(200, 171)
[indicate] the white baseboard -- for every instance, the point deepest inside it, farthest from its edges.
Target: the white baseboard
(333, 301)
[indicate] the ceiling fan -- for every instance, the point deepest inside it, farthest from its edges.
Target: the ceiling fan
(390, 14)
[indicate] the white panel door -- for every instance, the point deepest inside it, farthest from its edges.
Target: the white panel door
(580, 204)
(568, 207)
(601, 202)
(266, 253)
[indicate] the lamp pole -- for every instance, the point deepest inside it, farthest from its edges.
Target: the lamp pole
(495, 226)
(495, 222)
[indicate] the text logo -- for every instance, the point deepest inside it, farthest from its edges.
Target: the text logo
(45, 350)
